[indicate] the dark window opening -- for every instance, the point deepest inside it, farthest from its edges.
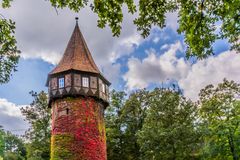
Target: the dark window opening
(67, 111)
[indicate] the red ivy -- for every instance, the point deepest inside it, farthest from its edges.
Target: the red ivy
(83, 122)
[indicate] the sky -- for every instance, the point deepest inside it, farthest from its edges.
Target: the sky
(129, 62)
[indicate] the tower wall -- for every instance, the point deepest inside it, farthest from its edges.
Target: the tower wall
(78, 130)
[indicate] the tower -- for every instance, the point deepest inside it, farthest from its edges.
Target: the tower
(78, 95)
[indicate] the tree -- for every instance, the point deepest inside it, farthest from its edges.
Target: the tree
(158, 124)
(2, 143)
(11, 146)
(197, 19)
(220, 110)
(133, 115)
(38, 115)
(124, 117)
(9, 54)
(202, 22)
(113, 126)
(169, 130)
(14, 148)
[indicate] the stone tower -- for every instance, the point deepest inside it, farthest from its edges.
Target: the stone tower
(78, 95)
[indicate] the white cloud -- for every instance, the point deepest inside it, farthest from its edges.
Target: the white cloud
(11, 118)
(165, 46)
(41, 33)
(172, 20)
(211, 71)
(191, 78)
(48, 56)
(156, 69)
(125, 46)
(9, 108)
(113, 71)
(156, 40)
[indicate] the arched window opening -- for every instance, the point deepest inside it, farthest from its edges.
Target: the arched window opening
(67, 111)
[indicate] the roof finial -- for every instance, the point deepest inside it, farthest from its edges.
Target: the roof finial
(76, 18)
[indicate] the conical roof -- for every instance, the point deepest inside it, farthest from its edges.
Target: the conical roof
(76, 56)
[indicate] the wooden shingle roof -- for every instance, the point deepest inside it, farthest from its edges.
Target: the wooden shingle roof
(76, 56)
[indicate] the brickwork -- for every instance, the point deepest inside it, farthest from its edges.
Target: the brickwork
(78, 130)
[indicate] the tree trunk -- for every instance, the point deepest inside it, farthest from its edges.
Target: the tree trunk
(174, 151)
(232, 147)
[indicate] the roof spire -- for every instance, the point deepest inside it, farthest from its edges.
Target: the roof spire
(77, 55)
(76, 18)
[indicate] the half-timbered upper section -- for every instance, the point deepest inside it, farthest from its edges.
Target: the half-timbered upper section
(77, 74)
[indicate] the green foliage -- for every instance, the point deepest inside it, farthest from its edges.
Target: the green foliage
(199, 28)
(160, 124)
(169, 130)
(9, 54)
(2, 142)
(133, 115)
(152, 13)
(63, 144)
(220, 113)
(14, 144)
(202, 22)
(38, 116)
(113, 126)
(6, 3)
(124, 117)
(108, 11)
(12, 156)
(11, 146)
(197, 19)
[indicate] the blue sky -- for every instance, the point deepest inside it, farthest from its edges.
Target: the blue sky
(129, 61)
(32, 72)
(31, 75)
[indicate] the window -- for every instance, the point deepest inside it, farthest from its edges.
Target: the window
(85, 82)
(60, 82)
(77, 80)
(68, 80)
(103, 88)
(107, 89)
(93, 83)
(67, 111)
(53, 83)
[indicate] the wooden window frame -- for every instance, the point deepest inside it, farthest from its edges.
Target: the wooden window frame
(84, 82)
(59, 82)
